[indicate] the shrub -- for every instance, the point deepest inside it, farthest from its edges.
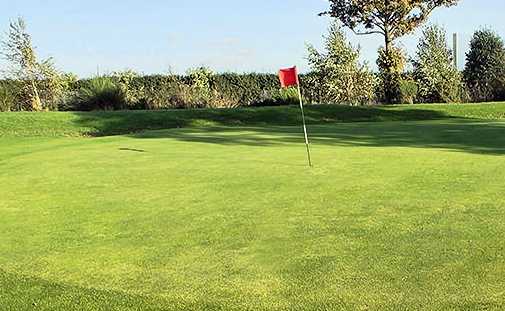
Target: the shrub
(158, 98)
(66, 92)
(7, 97)
(100, 93)
(251, 89)
(40, 83)
(195, 90)
(485, 67)
(199, 93)
(126, 81)
(287, 96)
(18, 50)
(280, 97)
(438, 79)
(408, 91)
(178, 95)
(337, 72)
(391, 68)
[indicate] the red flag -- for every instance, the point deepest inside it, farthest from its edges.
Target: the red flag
(288, 77)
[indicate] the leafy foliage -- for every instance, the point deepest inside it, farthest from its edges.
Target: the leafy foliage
(251, 89)
(19, 52)
(7, 97)
(395, 61)
(40, 84)
(53, 85)
(392, 19)
(391, 67)
(434, 72)
(101, 93)
(485, 66)
(281, 97)
(337, 73)
(408, 91)
(125, 80)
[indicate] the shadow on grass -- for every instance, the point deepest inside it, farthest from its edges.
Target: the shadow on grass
(132, 150)
(328, 125)
(127, 122)
(459, 135)
(31, 293)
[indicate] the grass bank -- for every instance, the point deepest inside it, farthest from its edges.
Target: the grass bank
(125, 122)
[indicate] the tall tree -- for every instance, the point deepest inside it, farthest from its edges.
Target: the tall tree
(40, 83)
(19, 51)
(392, 19)
(434, 71)
(485, 66)
(336, 72)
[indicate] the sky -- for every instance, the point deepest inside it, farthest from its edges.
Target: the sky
(160, 36)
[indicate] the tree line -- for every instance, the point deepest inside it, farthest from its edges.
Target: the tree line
(433, 78)
(336, 75)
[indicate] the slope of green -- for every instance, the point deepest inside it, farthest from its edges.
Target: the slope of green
(394, 216)
(125, 122)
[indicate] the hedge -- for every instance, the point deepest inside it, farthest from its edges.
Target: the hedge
(250, 89)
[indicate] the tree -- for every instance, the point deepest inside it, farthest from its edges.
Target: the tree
(7, 96)
(484, 71)
(390, 18)
(437, 77)
(18, 50)
(391, 67)
(336, 71)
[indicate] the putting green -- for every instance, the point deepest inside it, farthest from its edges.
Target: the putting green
(394, 215)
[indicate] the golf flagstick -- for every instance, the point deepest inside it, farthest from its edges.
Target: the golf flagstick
(289, 77)
(307, 143)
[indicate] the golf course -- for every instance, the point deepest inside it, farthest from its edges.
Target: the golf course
(217, 209)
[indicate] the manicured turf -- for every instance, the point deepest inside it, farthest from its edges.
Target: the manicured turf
(394, 216)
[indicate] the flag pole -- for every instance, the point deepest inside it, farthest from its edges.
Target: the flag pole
(307, 144)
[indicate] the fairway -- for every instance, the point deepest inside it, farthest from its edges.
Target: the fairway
(394, 216)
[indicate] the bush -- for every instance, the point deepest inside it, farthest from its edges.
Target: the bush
(408, 91)
(337, 73)
(252, 89)
(288, 96)
(391, 68)
(177, 94)
(100, 93)
(195, 90)
(434, 72)
(281, 97)
(133, 93)
(201, 88)
(7, 97)
(485, 67)
(64, 98)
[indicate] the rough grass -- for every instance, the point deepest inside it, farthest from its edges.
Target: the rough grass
(394, 216)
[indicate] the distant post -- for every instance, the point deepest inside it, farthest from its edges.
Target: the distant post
(455, 49)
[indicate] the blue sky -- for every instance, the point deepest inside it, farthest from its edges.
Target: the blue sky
(155, 36)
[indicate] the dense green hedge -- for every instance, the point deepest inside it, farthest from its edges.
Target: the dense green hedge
(226, 90)
(249, 89)
(252, 89)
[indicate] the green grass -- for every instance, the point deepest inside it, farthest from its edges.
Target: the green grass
(125, 122)
(394, 215)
